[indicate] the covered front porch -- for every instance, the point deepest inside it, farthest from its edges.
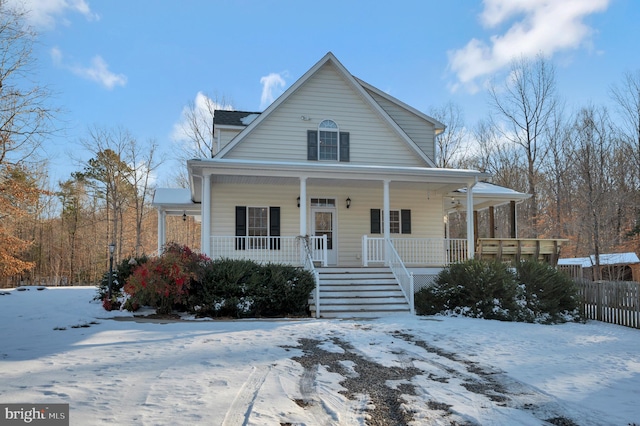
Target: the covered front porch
(333, 215)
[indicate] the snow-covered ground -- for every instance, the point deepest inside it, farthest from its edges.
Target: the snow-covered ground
(57, 346)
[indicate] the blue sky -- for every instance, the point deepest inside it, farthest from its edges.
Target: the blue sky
(137, 63)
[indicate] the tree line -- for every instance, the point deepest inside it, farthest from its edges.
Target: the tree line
(581, 167)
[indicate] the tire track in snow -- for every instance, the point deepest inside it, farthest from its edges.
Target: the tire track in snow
(240, 410)
(323, 406)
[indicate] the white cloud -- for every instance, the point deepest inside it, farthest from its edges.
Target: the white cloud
(198, 113)
(45, 14)
(272, 87)
(98, 71)
(535, 26)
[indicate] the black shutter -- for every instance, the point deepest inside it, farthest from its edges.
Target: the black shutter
(344, 147)
(312, 145)
(274, 228)
(375, 221)
(405, 221)
(241, 227)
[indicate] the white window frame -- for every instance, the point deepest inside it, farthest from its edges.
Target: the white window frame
(336, 132)
(392, 222)
(256, 243)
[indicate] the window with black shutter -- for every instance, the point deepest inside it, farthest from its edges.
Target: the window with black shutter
(376, 221)
(328, 143)
(405, 221)
(241, 227)
(274, 228)
(256, 227)
(399, 221)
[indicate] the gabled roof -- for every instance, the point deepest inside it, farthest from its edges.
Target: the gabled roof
(356, 85)
(224, 117)
(487, 194)
(438, 125)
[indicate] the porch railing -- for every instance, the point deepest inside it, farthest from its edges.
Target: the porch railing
(404, 278)
(287, 250)
(416, 251)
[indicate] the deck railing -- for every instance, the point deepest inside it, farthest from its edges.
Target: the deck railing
(416, 251)
(288, 250)
(518, 249)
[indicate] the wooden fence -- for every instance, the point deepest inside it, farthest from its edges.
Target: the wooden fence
(615, 302)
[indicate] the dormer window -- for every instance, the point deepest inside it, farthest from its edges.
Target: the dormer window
(327, 143)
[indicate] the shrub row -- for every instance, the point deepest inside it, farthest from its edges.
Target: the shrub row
(182, 280)
(532, 292)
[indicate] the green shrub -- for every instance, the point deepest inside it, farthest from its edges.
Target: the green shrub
(473, 288)
(549, 295)
(281, 290)
(242, 288)
(534, 292)
(223, 289)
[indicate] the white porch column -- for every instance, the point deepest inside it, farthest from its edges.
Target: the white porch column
(386, 205)
(205, 206)
(303, 206)
(470, 233)
(162, 229)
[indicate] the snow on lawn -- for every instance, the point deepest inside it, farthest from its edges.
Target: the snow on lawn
(58, 346)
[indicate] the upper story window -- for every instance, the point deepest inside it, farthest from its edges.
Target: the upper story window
(328, 136)
(327, 143)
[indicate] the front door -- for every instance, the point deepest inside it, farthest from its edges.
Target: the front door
(324, 223)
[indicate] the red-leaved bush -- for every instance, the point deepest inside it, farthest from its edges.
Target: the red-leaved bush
(164, 282)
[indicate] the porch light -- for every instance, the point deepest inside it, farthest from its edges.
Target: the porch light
(298, 199)
(348, 202)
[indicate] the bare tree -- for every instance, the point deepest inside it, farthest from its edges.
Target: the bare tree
(196, 129)
(626, 97)
(592, 135)
(142, 159)
(627, 100)
(524, 104)
(110, 176)
(450, 142)
(25, 116)
(556, 181)
(494, 155)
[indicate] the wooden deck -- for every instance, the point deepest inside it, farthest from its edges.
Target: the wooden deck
(517, 249)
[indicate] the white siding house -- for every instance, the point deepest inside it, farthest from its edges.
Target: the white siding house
(334, 173)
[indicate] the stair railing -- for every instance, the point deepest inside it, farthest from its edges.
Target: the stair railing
(307, 263)
(404, 277)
